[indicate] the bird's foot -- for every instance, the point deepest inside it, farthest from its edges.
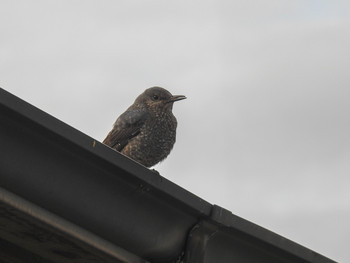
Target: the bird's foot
(155, 171)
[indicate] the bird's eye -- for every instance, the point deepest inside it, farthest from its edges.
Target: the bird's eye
(155, 97)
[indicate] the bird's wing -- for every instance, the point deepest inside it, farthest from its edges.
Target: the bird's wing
(127, 126)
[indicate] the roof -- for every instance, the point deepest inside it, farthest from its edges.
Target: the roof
(65, 197)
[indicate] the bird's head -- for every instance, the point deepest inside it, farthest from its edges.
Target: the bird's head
(157, 98)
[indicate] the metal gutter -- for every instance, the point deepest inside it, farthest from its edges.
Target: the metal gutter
(73, 188)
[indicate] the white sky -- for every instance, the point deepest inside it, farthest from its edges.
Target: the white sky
(265, 129)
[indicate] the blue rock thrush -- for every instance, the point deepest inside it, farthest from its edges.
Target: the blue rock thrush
(146, 131)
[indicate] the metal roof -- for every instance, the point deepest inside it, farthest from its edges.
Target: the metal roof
(65, 197)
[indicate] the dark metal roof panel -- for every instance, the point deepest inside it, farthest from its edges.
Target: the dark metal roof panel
(29, 233)
(76, 179)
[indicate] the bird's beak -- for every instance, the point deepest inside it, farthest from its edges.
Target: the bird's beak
(176, 98)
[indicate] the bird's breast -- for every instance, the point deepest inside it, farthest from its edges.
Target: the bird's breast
(161, 131)
(155, 140)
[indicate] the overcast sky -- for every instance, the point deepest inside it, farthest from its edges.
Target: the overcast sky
(265, 129)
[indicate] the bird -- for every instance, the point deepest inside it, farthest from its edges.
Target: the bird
(146, 131)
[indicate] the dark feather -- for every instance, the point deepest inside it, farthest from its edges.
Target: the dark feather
(127, 126)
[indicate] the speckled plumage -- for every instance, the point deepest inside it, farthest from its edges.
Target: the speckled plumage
(146, 131)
